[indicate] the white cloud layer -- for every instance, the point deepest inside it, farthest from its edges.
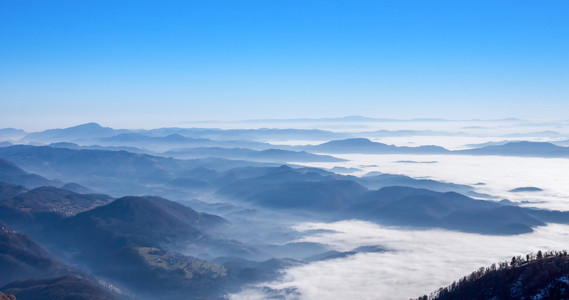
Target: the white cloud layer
(498, 173)
(422, 261)
(419, 263)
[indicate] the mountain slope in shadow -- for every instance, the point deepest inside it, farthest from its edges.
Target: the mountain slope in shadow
(10, 173)
(22, 258)
(65, 287)
(268, 155)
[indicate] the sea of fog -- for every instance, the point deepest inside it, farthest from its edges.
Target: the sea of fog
(418, 262)
(421, 261)
(494, 175)
(456, 142)
(484, 128)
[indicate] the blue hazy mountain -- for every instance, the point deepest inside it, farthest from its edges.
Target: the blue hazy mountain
(530, 149)
(403, 206)
(164, 143)
(65, 287)
(139, 219)
(295, 250)
(94, 133)
(365, 146)
(133, 241)
(416, 162)
(84, 132)
(10, 173)
(406, 206)
(164, 139)
(342, 254)
(154, 218)
(31, 211)
(525, 189)
(139, 235)
(486, 144)
(302, 190)
(239, 269)
(9, 190)
(337, 169)
(309, 189)
(77, 188)
(410, 133)
(74, 146)
(377, 180)
(321, 196)
(284, 188)
(22, 258)
(11, 134)
(114, 172)
(164, 249)
(261, 134)
(269, 155)
(28, 269)
(54, 200)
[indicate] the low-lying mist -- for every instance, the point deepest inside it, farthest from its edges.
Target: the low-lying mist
(417, 261)
(279, 229)
(493, 175)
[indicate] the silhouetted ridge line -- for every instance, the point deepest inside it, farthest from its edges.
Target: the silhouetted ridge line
(541, 275)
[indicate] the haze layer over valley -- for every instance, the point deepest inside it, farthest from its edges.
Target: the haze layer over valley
(257, 213)
(284, 150)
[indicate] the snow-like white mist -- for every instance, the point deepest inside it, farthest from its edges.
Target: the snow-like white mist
(421, 261)
(418, 261)
(495, 175)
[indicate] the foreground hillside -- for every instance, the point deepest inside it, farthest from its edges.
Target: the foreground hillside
(540, 276)
(65, 287)
(142, 246)
(6, 297)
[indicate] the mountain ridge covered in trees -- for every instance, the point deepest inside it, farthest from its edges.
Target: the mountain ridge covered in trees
(543, 275)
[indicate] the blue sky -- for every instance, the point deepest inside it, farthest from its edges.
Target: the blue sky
(152, 63)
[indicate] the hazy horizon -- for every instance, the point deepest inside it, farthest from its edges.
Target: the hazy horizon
(301, 149)
(315, 122)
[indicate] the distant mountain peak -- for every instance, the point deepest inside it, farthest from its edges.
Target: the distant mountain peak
(90, 125)
(353, 141)
(70, 134)
(129, 204)
(521, 148)
(284, 168)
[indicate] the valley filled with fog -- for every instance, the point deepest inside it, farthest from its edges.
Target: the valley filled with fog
(424, 260)
(302, 209)
(417, 261)
(285, 150)
(492, 175)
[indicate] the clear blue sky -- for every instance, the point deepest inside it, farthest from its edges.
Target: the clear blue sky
(150, 63)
